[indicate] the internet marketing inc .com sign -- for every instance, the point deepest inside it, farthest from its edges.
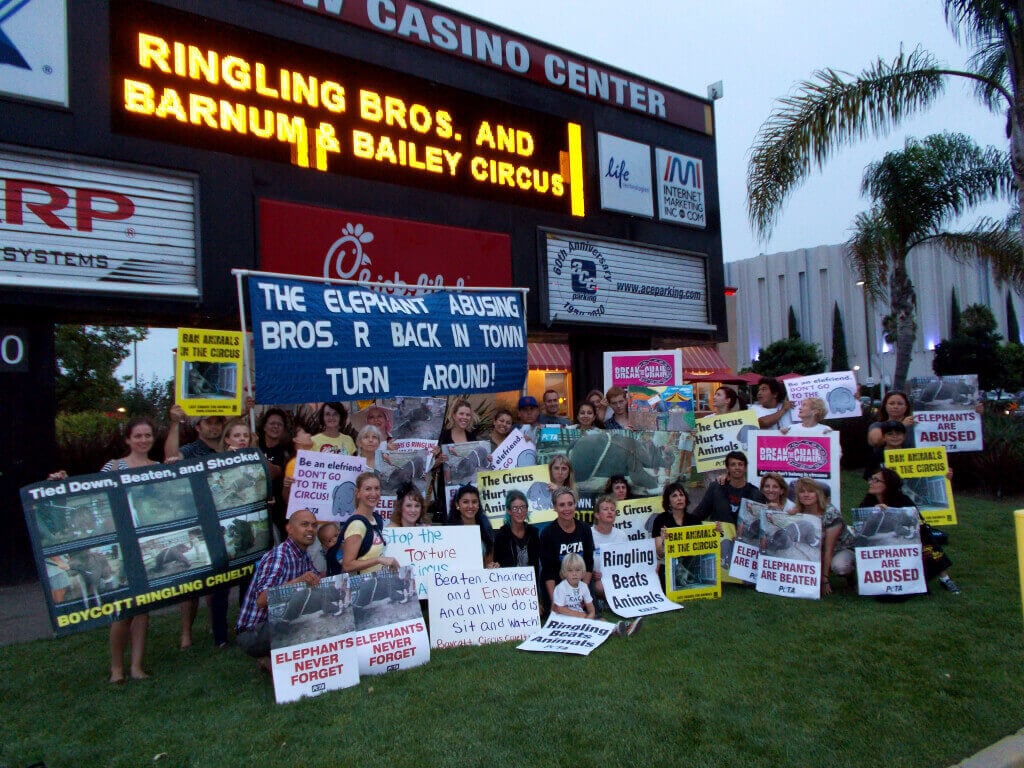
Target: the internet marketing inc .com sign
(594, 280)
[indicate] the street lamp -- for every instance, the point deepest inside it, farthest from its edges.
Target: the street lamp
(868, 324)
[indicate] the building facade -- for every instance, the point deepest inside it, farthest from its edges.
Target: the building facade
(813, 280)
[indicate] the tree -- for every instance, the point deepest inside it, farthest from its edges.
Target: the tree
(840, 359)
(1012, 326)
(914, 193)
(789, 356)
(836, 108)
(149, 397)
(87, 361)
(955, 323)
(976, 350)
(794, 326)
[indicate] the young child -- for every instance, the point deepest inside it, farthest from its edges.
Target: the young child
(327, 535)
(572, 595)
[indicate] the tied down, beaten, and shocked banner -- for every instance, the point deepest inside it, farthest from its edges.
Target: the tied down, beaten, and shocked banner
(316, 342)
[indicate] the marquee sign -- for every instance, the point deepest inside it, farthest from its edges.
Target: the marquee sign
(192, 81)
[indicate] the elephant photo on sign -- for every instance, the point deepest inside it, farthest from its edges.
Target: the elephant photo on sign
(645, 458)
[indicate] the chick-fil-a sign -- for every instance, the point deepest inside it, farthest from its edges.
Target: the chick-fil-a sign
(409, 256)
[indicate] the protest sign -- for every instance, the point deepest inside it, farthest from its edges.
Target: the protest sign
(727, 534)
(568, 634)
(208, 374)
(714, 436)
(308, 655)
(944, 412)
(790, 557)
(515, 451)
(636, 516)
(838, 389)
(325, 484)
(646, 459)
(115, 544)
(417, 422)
(630, 578)
(316, 342)
(376, 615)
(666, 409)
(649, 368)
(395, 468)
(463, 460)
(477, 607)
(888, 551)
(495, 484)
(434, 549)
(746, 548)
(794, 456)
(692, 563)
(923, 471)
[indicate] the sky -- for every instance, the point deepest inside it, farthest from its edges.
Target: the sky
(760, 50)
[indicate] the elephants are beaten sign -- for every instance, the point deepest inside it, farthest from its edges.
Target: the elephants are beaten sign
(316, 342)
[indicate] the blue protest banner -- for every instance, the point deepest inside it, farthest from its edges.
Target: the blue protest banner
(317, 342)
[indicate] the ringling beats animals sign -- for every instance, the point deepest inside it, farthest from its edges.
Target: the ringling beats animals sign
(307, 240)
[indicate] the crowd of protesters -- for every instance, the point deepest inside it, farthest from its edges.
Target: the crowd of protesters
(359, 546)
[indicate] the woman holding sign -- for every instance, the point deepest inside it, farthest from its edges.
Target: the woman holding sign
(139, 439)
(837, 539)
(410, 509)
(885, 489)
(517, 543)
(566, 534)
(895, 407)
(466, 511)
(459, 428)
(362, 544)
(368, 445)
(586, 417)
(503, 422)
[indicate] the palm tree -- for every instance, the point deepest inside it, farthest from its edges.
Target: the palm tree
(835, 108)
(915, 192)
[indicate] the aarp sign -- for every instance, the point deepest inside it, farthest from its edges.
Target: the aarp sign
(72, 224)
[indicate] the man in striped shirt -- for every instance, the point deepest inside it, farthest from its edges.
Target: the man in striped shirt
(287, 563)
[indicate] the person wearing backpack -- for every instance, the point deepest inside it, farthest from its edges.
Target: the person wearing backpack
(360, 548)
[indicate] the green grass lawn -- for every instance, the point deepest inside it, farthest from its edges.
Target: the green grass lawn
(748, 680)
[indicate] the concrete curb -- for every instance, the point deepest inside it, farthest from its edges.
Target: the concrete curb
(1007, 753)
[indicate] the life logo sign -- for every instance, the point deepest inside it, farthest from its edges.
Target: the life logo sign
(654, 372)
(588, 272)
(805, 455)
(347, 259)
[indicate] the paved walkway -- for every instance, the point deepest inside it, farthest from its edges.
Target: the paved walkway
(23, 615)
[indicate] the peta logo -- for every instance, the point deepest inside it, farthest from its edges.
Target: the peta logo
(62, 208)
